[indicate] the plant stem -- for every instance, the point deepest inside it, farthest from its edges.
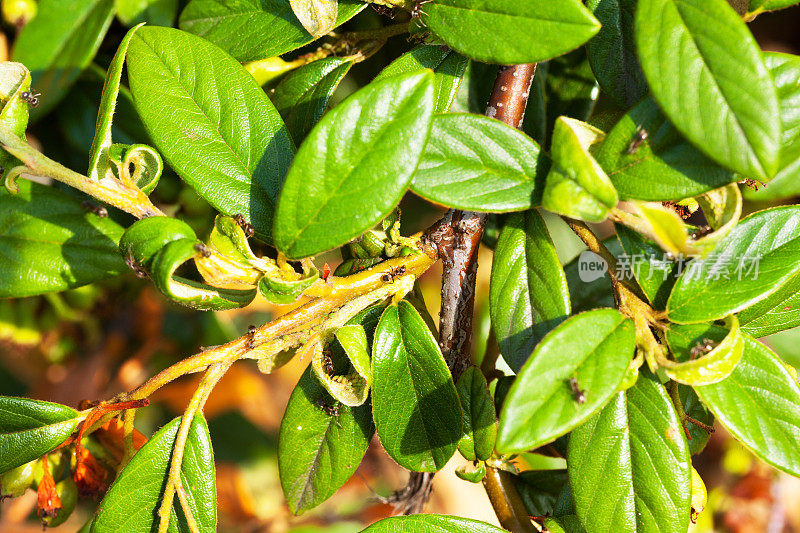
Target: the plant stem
(506, 502)
(211, 378)
(457, 238)
(110, 191)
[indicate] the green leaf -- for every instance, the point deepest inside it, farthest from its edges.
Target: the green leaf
(30, 429)
(253, 29)
(448, 70)
(478, 163)
(318, 17)
(645, 261)
(528, 291)
(635, 449)
(302, 96)
(49, 242)
(712, 85)
(521, 32)
(577, 186)
(318, 451)
(131, 504)
(664, 166)
(755, 261)
(431, 523)
(479, 425)
(540, 489)
(612, 52)
(757, 6)
(154, 12)
(226, 141)
(757, 403)
(778, 312)
(414, 401)
(785, 70)
(59, 43)
(347, 153)
(594, 348)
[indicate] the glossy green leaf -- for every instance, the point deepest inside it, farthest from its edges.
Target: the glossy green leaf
(431, 523)
(30, 429)
(478, 163)
(131, 504)
(576, 185)
(595, 348)
(755, 261)
(712, 85)
(528, 292)
(757, 403)
(302, 96)
(448, 70)
(15, 80)
(155, 12)
(253, 29)
(612, 52)
(664, 166)
(347, 153)
(778, 312)
(414, 401)
(479, 425)
(59, 43)
(521, 32)
(318, 17)
(318, 450)
(145, 238)
(648, 264)
(635, 449)
(785, 70)
(540, 489)
(226, 141)
(49, 242)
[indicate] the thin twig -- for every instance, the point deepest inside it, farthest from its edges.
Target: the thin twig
(457, 238)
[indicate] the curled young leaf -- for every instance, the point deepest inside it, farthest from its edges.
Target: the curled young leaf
(709, 364)
(353, 387)
(577, 186)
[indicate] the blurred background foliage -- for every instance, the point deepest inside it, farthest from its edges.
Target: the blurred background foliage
(92, 342)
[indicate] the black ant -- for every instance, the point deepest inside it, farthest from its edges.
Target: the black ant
(639, 138)
(702, 348)
(327, 362)
(386, 11)
(136, 267)
(330, 408)
(202, 249)
(251, 333)
(393, 274)
(31, 97)
(577, 392)
(246, 226)
(98, 210)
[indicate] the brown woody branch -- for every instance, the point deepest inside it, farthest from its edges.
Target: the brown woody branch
(457, 238)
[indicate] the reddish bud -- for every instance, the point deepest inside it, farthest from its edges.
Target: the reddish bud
(90, 476)
(49, 502)
(326, 271)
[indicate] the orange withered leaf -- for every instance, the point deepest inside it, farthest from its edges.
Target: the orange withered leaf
(49, 502)
(90, 476)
